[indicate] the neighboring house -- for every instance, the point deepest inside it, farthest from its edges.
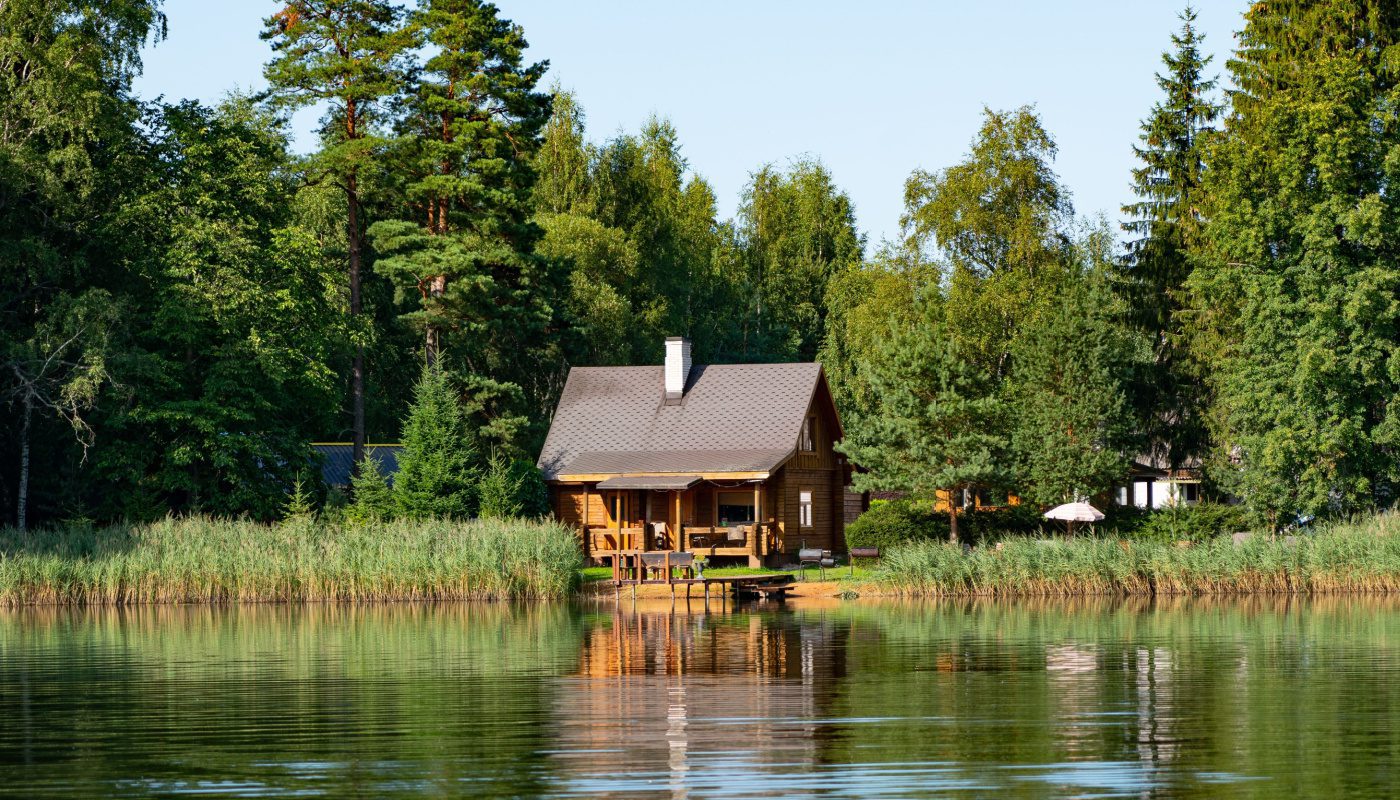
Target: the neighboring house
(1154, 484)
(721, 460)
(337, 461)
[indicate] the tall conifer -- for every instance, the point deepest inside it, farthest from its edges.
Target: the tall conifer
(1165, 222)
(1294, 293)
(348, 54)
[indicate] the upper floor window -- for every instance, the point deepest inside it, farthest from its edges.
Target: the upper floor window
(808, 441)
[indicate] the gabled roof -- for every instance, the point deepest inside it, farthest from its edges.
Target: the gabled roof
(337, 460)
(733, 418)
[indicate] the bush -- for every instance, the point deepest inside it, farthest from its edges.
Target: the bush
(1197, 523)
(891, 522)
(1021, 520)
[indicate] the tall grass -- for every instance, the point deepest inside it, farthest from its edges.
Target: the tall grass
(1360, 556)
(213, 560)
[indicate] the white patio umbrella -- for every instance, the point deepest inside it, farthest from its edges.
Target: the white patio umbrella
(1071, 513)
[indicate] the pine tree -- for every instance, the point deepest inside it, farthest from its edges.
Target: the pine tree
(471, 131)
(940, 426)
(437, 467)
(348, 54)
(374, 500)
(1166, 224)
(1294, 293)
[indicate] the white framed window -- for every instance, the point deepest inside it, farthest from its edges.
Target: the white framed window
(808, 443)
(804, 509)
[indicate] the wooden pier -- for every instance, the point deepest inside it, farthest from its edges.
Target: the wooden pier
(649, 568)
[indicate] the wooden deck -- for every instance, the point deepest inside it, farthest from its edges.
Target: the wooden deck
(629, 569)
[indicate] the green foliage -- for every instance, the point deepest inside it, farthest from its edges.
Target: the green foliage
(865, 301)
(1165, 223)
(512, 488)
(1358, 556)
(1000, 219)
(1197, 523)
(798, 232)
(1071, 429)
(891, 522)
(499, 489)
(232, 371)
(373, 499)
(438, 472)
(460, 247)
(201, 559)
(300, 505)
(1296, 280)
(939, 427)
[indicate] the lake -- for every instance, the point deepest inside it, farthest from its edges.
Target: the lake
(1264, 697)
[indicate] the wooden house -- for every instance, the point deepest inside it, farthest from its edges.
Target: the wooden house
(733, 460)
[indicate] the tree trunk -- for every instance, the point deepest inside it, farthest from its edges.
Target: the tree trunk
(23, 500)
(432, 344)
(357, 370)
(953, 516)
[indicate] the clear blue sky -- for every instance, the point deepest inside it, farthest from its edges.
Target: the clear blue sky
(875, 89)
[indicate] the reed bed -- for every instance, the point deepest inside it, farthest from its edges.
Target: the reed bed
(212, 560)
(1360, 556)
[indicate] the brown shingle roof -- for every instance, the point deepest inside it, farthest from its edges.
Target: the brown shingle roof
(734, 418)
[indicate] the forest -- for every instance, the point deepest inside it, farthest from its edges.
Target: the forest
(186, 303)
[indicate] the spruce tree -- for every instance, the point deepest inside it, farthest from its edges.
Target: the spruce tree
(500, 489)
(374, 500)
(1294, 293)
(437, 467)
(939, 427)
(1165, 223)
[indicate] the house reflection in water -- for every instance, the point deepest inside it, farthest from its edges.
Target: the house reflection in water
(739, 691)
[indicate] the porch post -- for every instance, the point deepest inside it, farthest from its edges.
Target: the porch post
(679, 532)
(646, 519)
(587, 545)
(755, 560)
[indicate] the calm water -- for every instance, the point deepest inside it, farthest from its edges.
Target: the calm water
(1111, 699)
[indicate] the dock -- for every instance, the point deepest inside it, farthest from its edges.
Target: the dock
(639, 568)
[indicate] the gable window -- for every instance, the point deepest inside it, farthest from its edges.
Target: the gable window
(808, 443)
(804, 509)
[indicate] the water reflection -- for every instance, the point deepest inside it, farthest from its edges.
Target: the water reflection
(1258, 698)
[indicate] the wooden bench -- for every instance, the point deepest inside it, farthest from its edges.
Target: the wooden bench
(861, 552)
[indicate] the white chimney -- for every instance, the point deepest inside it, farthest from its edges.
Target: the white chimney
(677, 367)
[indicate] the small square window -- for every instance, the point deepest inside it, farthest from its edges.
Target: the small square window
(804, 509)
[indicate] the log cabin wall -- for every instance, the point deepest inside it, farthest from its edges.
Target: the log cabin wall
(824, 531)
